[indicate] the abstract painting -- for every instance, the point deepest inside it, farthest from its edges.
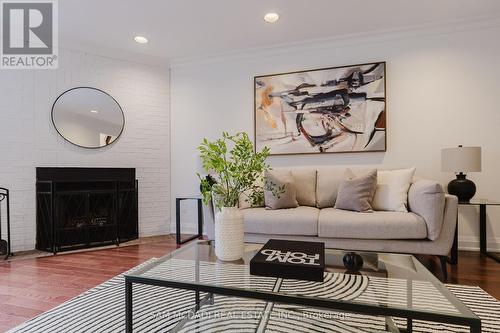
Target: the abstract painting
(330, 110)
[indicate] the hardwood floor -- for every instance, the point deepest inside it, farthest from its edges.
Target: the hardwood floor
(31, 286)
(472, 269)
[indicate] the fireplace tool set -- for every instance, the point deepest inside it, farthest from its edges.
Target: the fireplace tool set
(5, 244)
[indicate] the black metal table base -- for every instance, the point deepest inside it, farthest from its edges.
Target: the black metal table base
(178, 238)
(453, 259)
(483, 242)
(185, 240)
(493, 256)
(474, 325)
(207, 299)
(390, 326)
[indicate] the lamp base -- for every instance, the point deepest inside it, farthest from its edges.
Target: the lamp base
(462, 187)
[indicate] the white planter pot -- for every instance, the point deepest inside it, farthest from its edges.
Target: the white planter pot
(229, 242)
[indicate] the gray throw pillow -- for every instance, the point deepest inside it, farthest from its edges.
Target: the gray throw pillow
(275, 199)
(356, 192)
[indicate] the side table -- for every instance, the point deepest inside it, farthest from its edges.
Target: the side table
(483, 245)
(178, 239)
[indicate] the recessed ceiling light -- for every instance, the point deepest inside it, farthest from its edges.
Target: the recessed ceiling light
(271, 17)
(94, 111)
(141, 39)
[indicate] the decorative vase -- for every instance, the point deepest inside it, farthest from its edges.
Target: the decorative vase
(229, 242)
(462, 187)
(353, 262)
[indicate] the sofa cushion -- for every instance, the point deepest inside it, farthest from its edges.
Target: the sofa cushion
(327, 186)
(305, 184)
(338, 223)
(302, 220)
(427, 199)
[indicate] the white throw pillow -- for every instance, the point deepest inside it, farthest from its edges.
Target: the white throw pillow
(392, 190)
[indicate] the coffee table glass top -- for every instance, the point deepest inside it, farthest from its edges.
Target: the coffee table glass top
(386, 281)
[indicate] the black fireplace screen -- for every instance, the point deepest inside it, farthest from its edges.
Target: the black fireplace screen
(76, 214)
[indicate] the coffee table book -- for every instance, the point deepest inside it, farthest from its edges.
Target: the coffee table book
(290, 260)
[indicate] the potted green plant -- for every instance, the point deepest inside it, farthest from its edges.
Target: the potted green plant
(235, 169)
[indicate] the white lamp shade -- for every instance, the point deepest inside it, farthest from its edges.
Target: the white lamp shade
(461, 159)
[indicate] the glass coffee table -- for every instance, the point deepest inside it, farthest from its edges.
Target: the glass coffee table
(395, 287)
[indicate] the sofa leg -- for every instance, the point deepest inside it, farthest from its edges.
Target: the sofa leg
(444, 267)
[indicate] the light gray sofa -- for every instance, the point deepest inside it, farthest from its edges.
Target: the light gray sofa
(428, 227)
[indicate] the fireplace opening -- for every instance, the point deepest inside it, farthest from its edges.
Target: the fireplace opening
(85, 207)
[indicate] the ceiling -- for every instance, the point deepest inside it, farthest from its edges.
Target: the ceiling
(187, 28)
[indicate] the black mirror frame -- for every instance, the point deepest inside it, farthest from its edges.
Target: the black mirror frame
(85, 87)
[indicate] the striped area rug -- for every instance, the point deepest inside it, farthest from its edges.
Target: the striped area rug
(157, 309)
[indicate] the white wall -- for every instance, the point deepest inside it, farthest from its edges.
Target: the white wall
(28, 138)
(442, 90)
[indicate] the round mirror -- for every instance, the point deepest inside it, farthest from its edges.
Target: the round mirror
(88, 117)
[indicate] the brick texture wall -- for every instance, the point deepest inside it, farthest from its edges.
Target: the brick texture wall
(28, 139)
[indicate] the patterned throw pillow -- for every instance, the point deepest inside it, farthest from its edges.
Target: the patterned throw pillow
(279, 190)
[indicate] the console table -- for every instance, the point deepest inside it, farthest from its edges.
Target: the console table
(482, 203)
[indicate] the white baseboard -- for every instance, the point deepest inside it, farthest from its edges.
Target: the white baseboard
(187, 228)
(471, 243)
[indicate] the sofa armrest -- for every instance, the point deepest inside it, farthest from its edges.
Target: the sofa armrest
(427, 199)
(447, 235)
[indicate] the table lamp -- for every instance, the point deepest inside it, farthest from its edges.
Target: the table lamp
(461, 160)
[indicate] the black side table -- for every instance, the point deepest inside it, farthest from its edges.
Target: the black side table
(178, 239)
(483, 245)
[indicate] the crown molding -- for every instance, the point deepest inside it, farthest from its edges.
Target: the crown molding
(115, 54)
(379, 36)
(72, 45)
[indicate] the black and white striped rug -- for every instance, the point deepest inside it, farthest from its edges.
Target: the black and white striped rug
(157, 309)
